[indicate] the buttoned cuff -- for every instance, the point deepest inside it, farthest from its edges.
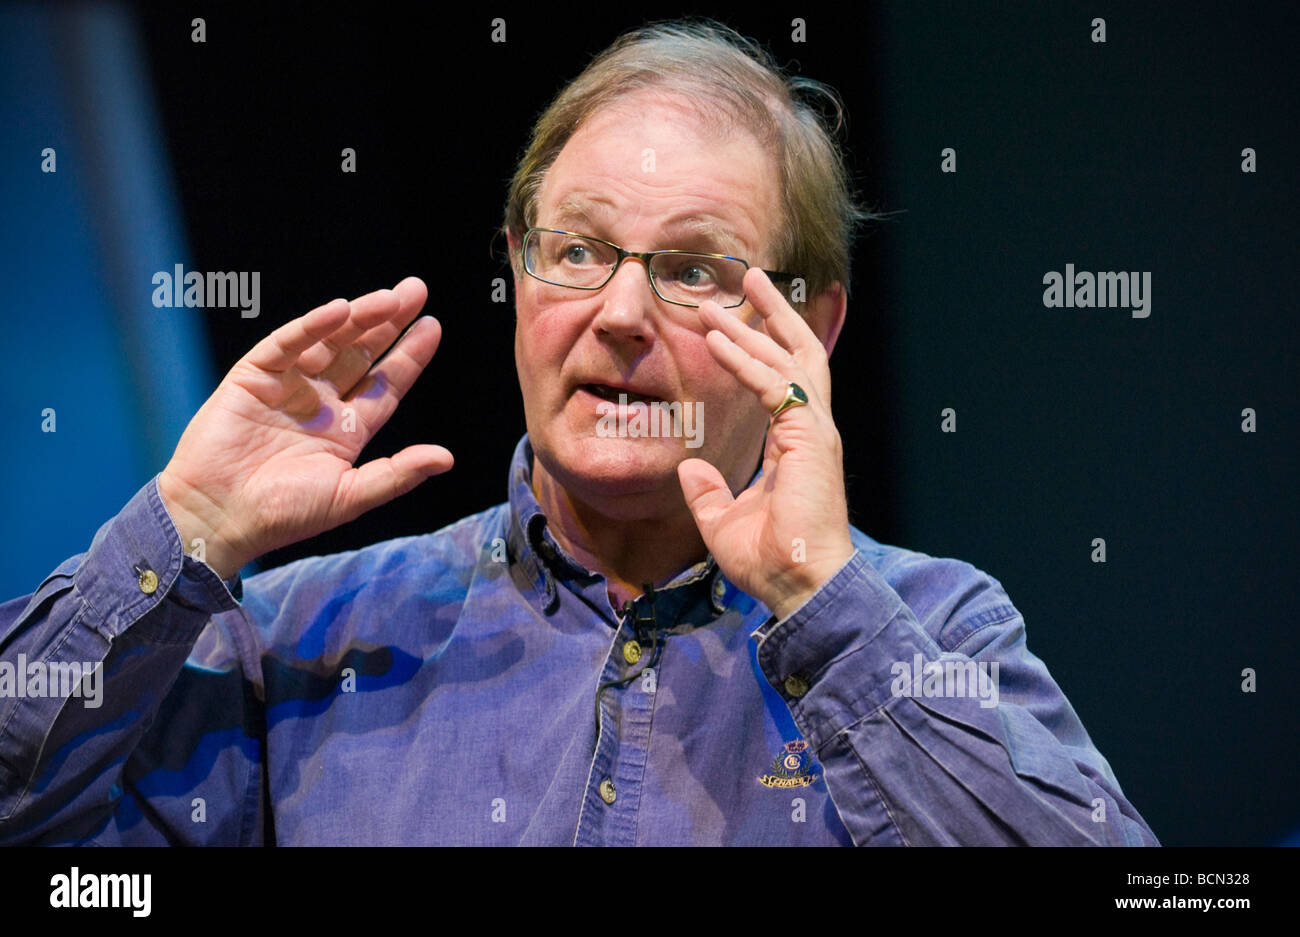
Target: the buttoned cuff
(832, 660)
(136, 561)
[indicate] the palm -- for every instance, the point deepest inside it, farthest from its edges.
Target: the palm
(775, 525)
(269, 457)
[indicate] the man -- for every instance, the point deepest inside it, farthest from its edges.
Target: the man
(651, 642)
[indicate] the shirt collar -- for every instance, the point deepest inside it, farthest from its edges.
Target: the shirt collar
(532, 544)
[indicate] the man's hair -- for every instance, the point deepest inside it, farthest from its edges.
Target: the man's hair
(736, 82)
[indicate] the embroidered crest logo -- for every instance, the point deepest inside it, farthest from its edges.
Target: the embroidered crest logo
(792, 767)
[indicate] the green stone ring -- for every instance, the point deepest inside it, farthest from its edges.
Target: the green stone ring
(794, 397)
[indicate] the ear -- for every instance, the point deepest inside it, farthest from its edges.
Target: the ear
(825, 314)
(512, 247)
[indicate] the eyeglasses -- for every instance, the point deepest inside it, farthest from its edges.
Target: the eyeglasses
(684, 278)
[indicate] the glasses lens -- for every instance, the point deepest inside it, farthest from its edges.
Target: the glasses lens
(568, 260)
(693, 278)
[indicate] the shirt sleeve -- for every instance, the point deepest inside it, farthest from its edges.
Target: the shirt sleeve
(952, 735)
(85, 663)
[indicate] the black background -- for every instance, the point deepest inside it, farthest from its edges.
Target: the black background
(1072, 423)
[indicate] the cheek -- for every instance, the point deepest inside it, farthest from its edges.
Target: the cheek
(734, 409)
(697, 372)
(710, 375)
(543, 340)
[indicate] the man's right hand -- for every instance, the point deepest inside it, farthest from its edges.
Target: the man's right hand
(267, 460)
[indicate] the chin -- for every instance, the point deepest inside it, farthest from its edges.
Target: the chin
(595, 468)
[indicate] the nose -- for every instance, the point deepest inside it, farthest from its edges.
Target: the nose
(627, 303)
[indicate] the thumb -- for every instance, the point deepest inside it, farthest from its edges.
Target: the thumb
(381, 480)
(706, 493)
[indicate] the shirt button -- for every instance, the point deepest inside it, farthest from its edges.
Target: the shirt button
(148, 581)
(607, 792)
(796, 685)
(631, 652)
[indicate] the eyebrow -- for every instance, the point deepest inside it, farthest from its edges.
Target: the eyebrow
(708, 235)
(574, 208)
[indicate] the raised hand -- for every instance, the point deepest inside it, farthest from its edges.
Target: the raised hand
(268, 459)
(787, 534)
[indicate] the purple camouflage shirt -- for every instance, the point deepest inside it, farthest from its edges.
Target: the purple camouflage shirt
(445, 689)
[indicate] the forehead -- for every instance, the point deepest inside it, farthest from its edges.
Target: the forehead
(656, 168)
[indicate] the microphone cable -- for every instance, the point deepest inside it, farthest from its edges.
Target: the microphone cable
(651, 656)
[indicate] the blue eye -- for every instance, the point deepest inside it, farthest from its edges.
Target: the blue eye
(693, 275)
(582, 254)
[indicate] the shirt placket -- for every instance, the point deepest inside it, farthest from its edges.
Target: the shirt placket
(612, 796)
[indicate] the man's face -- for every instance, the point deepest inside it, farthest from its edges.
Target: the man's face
(641, 175)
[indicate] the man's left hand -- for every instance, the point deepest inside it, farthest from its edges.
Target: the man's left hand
(787, 534)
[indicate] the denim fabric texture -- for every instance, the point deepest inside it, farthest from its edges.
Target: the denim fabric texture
(442, 689)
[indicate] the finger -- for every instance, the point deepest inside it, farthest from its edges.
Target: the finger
(381, 480)
(339, 353)
(783, 323)
(350, 368)
(706, 493)
(766, 382)
(280, 350)
(754, 342)
(379, 392)
(376, 321)
(380, 340)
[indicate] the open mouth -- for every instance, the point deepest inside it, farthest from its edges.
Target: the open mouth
(605, 392)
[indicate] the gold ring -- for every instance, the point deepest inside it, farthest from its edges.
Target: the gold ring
(794, 397)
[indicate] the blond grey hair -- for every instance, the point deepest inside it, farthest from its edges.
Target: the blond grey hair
(737, 83)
